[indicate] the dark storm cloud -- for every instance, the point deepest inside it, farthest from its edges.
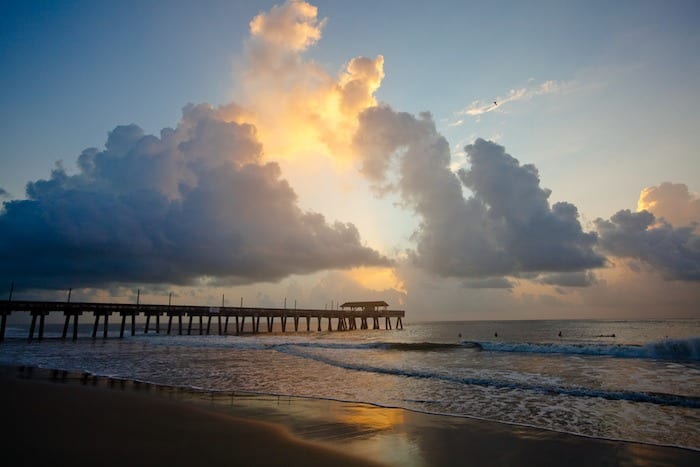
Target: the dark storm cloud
(569, 279)
(195, 202)
(506, 227)
(675, 252)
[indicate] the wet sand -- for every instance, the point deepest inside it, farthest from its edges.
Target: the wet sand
(69, 420)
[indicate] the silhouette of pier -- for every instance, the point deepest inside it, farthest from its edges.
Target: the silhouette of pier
(344, 319)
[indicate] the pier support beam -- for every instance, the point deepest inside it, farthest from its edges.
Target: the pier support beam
(124, 314)
(105, 314)
(42, 317)
(66, 323)
(3, 324)
(104, 331)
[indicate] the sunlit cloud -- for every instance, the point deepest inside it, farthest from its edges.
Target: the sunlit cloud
(299, 109)
(377, 278)
(672, 202)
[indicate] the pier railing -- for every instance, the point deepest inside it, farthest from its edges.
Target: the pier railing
(339, 320)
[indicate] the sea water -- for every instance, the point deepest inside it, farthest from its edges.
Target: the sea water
(623, 380)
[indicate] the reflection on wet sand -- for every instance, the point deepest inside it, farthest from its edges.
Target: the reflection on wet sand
(400, 437)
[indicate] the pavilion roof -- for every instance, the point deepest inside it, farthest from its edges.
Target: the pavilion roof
(363, 304)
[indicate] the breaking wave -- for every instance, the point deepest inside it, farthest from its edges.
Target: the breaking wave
(667, 349)
(573, 391)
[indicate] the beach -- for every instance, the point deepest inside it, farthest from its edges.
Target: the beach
(59, 418)
(69, 424)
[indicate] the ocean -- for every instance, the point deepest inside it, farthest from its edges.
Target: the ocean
(622, 380)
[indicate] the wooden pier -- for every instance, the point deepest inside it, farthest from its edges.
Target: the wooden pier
(344, 319)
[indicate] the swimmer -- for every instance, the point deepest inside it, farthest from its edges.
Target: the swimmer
(495, 334)
(559, 333)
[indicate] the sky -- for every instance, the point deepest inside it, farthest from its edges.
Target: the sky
(460, 160)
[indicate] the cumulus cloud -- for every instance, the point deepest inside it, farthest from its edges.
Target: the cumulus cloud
(297, 106)
(675, 252)
(196, 201)
(505, 228)
(672, 202)
(4, 193)
(294, 26)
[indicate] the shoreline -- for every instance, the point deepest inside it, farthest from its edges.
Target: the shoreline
(350, 433)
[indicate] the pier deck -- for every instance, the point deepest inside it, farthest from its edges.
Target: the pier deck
(339, 320)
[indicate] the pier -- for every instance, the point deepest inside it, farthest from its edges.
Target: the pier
(368, 314)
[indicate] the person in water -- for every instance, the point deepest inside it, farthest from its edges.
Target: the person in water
(495, 334)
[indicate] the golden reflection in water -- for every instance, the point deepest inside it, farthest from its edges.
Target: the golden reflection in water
(376, 418)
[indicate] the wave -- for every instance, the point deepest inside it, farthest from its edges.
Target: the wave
(573, 391)
(667, 349)
(400, 346)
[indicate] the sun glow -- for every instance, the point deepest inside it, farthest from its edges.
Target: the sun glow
(377, 278)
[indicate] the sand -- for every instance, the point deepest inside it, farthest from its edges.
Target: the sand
(91, 421)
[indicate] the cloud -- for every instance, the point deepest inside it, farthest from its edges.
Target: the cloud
(480, 107)
(195, 202)
(4, 193)
(675, 252)
(672, 202)
(292, 26)
(337, 285)
(569, 279)
(300, 110)
(488, 283)
(506, 228)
